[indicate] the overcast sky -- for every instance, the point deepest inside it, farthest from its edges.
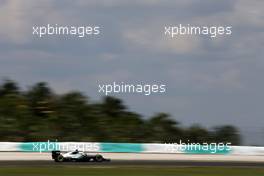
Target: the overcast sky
(209, 81)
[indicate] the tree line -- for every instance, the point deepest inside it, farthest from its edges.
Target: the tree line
(39, 114)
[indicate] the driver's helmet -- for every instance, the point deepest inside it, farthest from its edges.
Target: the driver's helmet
(76, 151)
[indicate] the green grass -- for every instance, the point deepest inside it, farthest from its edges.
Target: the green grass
(129, 171)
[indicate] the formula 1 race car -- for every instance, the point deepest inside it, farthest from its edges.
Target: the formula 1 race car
(77, 156)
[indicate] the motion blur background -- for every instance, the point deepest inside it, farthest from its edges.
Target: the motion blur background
(49, 86)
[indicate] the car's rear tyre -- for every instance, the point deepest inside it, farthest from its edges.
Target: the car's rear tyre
(59, 158)
(98, 158)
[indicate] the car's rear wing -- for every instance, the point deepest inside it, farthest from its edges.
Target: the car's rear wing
(55, 154)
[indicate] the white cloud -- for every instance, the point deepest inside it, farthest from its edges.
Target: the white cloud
(153, 39)
(13, 21)
(17, 18)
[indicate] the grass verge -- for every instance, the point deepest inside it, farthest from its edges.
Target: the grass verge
(130, 171)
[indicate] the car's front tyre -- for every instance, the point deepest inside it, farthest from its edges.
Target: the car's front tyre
(98, 158)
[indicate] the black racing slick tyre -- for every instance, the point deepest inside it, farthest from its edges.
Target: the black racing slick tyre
(59, 158)
(99, 158)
